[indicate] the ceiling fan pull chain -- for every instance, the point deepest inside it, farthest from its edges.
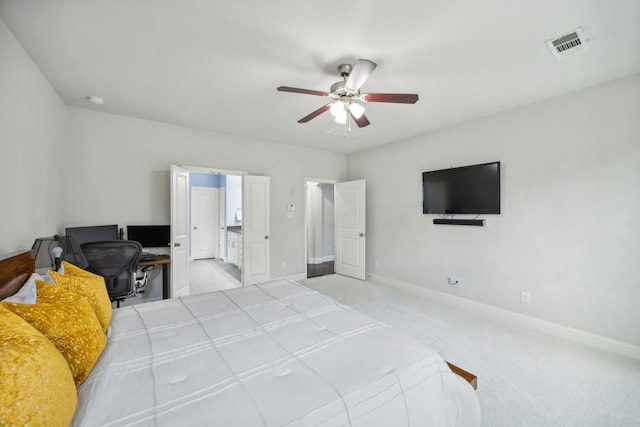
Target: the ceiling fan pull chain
(347, 123)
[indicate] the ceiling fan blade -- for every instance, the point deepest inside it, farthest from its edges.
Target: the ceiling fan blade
(315, 114)
(304, 91)
(399, 98)
(362, 121)
(360, 74)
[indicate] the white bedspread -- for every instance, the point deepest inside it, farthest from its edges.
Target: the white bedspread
(274, 354)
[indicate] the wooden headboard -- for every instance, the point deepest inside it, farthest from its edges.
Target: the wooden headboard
(15, 269)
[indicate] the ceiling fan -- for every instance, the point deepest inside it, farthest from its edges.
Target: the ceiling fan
(345, 92)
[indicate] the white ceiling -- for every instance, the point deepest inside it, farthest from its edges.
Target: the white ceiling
(215, 65)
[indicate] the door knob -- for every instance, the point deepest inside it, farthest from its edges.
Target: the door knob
(176, 244)
(195, 228)
(266, 237)
(361, 234)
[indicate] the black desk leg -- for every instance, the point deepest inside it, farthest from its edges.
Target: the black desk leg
(165, 281)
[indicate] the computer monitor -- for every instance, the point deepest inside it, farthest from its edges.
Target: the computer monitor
(150, 236)
(93, 233)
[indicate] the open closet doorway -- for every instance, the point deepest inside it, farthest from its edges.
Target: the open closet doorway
(320, 232)
(335, 228)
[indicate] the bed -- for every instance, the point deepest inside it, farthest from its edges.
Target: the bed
(273, 354)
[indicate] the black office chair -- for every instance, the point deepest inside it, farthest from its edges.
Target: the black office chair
(117, 262)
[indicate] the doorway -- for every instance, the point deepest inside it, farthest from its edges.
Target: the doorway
(216, 222)
(320, 232)
(335, 228)
(253, 249)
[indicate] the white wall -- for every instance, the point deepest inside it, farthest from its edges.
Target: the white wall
(568, 232)
(118, 172)
(32, 130)
(233, 193)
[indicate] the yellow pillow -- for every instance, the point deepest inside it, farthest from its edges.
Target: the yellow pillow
(37, 386)
(69, 322)
(90, 286)
(74, 270)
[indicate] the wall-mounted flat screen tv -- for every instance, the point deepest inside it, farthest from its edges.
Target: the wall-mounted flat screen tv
(471, 189)
(150, 236)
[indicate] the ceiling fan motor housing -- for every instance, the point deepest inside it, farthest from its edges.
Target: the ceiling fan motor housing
(344, 70)
(338, 90)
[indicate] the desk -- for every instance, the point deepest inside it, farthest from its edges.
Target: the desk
(164, 261)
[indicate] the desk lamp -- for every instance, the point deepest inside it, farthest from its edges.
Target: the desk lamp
(50, 251)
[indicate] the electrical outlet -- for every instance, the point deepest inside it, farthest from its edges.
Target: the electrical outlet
(284, 265)
(453, 281)
(525, 297)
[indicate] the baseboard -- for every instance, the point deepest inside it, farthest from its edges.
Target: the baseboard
(576, 335)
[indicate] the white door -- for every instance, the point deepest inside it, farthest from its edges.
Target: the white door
(179, 232)
(204, 222)
(222, 221)
(256, 247)
(350, 228)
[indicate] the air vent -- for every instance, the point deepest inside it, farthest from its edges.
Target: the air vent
(568, 44)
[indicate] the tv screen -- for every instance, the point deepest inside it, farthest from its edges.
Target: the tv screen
(471, 189)
(149, 236)
(94, 233)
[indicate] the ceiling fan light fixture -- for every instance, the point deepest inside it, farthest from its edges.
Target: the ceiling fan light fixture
(337, 109)
(341, 117)
(357, 110)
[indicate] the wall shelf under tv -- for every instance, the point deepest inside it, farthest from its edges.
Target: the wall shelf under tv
(476, 222)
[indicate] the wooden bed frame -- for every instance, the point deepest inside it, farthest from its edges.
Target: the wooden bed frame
(468, 376)
(16, 268)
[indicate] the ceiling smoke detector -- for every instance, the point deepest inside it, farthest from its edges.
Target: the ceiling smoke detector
(568, 44)
(96, 100)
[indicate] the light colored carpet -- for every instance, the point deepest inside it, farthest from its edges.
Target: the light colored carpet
(525, 378)
(206, 276)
